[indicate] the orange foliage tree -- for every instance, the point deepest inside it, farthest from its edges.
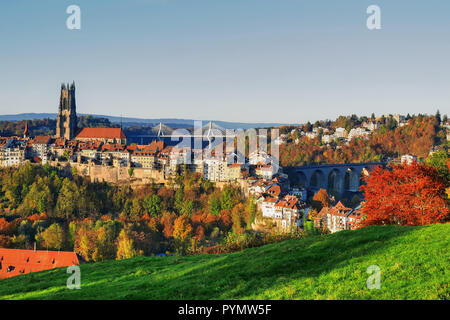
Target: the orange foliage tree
(167, 221)
(182, 228)
(225, 220)
(321, 199)
(406, 195)
(5, 226)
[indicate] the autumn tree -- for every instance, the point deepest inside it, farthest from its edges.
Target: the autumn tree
(85, 242)
(320, 200)
(182, 228)
(53, 237)
(5, 241)
(405, 195)
(5, 226)
(167, 222)
(105, 248)
(125, 246)
(225, 220)
(237, 216)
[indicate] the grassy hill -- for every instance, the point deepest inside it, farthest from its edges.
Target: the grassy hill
(414, 263)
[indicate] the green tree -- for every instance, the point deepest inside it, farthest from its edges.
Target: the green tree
(66, 155)
(67, 203)
(105, 247)
(153, 205)
(438, 117)
(439, 160)
(214, 205)
(53, 237)
(187, 208)
(136, 209)
(26, 229)
(71, 235)
(227, 200)
(179, 200)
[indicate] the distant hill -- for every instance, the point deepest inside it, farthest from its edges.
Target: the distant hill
(413, 261)
(150, 122)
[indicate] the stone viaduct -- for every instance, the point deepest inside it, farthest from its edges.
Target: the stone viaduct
(338, 177)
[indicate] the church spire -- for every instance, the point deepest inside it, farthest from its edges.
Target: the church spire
(25, 132)
(66, 124)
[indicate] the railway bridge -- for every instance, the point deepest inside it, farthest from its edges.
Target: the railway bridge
(338, 177)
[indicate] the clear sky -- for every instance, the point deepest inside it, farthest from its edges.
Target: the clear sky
(234, 60)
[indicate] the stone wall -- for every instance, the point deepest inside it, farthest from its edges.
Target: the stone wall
(118, 175)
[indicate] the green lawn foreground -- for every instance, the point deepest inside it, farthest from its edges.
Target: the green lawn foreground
(414, 263)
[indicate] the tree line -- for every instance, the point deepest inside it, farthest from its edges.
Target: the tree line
(100, 221)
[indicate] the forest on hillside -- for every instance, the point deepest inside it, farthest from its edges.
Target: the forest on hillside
(418, 138)
(101, 221)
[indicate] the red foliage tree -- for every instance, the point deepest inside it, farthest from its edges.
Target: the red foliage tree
(5, 226)
(199, 233)
(406, 195)
(225, 220)
(167, 222)
(5, 241)
(38, 217)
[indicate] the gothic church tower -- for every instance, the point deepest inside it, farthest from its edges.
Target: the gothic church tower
(66, 123)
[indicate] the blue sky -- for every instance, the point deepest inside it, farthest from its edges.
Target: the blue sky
(234, 60)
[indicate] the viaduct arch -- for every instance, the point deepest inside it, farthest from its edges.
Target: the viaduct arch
(338, 177)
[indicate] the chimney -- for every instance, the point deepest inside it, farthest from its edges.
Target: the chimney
(35, 247)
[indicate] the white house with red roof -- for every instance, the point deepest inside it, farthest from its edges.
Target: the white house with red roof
(338, 218)
(286, 212)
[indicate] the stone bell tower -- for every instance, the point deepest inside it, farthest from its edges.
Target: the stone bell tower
(66, 122)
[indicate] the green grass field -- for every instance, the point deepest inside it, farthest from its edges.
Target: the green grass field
(414, 263)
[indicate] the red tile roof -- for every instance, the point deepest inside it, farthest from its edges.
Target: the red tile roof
(274, 190)
(102, 133)
(287, 203)
(270, 200)
(41, 140)
(114, 148)
(14, 262)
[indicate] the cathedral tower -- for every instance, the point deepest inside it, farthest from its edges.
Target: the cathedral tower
(66, 123)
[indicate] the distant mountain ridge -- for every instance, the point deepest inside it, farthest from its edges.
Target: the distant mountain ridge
(138, 121)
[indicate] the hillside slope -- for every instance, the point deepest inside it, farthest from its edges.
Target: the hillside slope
(414, 263)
